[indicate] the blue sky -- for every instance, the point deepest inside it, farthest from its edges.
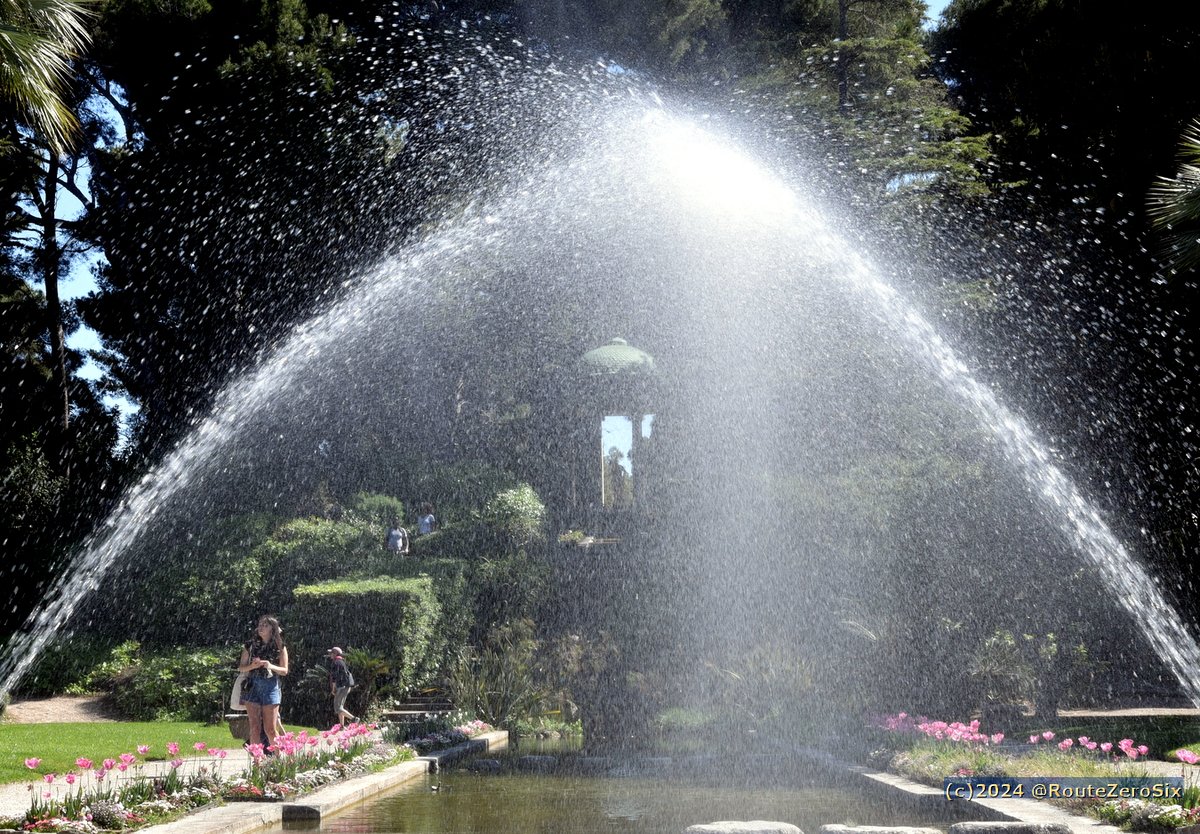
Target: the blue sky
(935, 10)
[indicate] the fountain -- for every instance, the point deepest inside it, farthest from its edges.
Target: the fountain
(790, 363)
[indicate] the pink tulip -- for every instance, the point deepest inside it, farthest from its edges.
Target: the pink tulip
(122, 767)
(1065, 744)
(83, 764)
(173, 748)
(1034, 739)
(127, 758)
(70, 777)
(32, 763)
(1106, 746)
(199, 746)
(1143, 749)
(48, 778)
(1048, 735)
(109, 764)
(175, 763)
(1187, 756)
(1091, 745)
(997, 738)
(143, 749)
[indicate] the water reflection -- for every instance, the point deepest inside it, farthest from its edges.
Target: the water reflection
(642, 801)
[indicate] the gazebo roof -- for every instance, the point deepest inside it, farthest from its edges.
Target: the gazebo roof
(617, 357)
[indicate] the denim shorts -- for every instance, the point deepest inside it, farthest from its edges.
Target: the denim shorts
(262, 691)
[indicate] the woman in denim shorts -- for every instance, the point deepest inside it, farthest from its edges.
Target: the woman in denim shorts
(265, 661)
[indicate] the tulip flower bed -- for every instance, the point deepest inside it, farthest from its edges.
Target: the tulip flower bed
(125, 793)
(929, 751)
(299, 762)
(442, 739)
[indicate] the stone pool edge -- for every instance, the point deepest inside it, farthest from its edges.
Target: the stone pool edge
(247, 817)
(928, 799)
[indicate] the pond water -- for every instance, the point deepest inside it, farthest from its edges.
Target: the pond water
(632, 800)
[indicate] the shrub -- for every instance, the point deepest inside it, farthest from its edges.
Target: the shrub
(496, 681)
(76, 665)
(503, 590)
(517, 514)
(456, 489)
(464, 540)
(379, 510)
(176, 686)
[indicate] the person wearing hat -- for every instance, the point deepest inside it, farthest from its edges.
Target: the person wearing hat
(340, 683)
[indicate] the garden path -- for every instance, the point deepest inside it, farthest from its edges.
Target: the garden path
(60, 709)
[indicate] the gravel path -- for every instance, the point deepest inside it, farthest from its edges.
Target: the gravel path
(59, 710)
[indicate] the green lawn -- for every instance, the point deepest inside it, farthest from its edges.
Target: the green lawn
(1162, 734)
(59, 745)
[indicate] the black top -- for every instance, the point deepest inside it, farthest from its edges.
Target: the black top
(269, 652)
(339, 672)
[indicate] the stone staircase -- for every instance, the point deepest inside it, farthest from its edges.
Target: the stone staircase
(419, 707)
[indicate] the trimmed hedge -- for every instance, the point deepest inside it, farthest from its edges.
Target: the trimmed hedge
(307, 550)
(397, 619)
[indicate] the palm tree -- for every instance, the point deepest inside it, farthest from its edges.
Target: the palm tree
(38, 40)
(1174, 204)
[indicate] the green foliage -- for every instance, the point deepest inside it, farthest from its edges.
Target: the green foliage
(1174, 204)
(519, 513)
(306, 696)
(503, 590)
(77, 665)
(465, 540)
(370, 672)
(497, 681)
(459, 488)
(762, 685)
(201, 588)
(176, 686)
(308, 550)
(1004, 673)
(377, 509)
(394, 619)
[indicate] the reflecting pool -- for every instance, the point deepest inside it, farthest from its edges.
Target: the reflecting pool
(635, 800)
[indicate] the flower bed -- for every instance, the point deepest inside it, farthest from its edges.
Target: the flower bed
(929, 751)
(442, 739)
(296, 763)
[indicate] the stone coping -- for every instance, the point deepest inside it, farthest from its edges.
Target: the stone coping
(247, 817)
(931, 800)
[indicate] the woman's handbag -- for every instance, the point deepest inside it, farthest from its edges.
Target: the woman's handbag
(235, 697)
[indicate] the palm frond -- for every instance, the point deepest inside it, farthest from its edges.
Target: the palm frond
(1173, 204)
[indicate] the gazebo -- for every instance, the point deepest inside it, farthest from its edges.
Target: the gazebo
(615, 388)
